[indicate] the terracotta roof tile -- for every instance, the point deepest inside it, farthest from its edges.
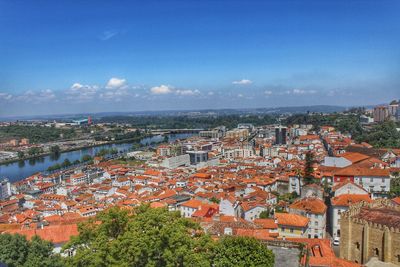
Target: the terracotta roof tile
(349, 199)
(291, 219)
(311, 204)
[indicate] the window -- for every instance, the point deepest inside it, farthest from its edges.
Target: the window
(357, 245)
(371, 179)
(316, 223)
(291, 230)
(376, 252)
(283, 229)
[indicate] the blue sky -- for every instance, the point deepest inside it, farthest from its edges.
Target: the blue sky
(91, 56)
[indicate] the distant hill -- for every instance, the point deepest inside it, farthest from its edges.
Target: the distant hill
(203, 112)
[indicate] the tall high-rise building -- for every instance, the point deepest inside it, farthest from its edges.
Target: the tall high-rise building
(394, 110)
(5, 189)
(381, 113)
(280, 135)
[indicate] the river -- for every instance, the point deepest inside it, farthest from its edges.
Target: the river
(19, 170)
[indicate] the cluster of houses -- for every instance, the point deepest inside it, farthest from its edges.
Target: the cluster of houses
(246, 184)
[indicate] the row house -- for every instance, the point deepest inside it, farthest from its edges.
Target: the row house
(374, 180)
(292, 225)
(314, 209)
(87, 211)
(195, 208)
(252, 211)
(79, 178)
(45, 187)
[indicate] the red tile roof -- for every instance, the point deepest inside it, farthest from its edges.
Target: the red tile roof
(354, 156)
(56, 233)
(311, 204)
(349, 199)
(266, 223)
(291, 219)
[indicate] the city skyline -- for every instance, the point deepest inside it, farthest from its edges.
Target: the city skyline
(129, 56)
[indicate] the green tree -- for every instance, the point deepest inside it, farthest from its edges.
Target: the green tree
(395, 185)
(383, 135)
(66, 163)
(242, 251)
(33, 151)
(54, 167)
(215, 200)
(21, 154)
(86, 158)
(264, 214)
(308, 168)
(157, 237)
(151, 237)
(55, 149)
(36, 134)
(16, 251)
(13, 249)
(40, 254)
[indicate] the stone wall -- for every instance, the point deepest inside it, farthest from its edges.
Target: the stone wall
(360, 239)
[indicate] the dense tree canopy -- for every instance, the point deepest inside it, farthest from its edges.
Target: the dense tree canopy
(143, 237)
(16, 251)
(348, 123)
(157, 237)
(242, 252)
(178, 122)
(382, 135)
(35, 134)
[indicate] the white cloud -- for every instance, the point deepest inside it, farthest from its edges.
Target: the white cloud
(240, 95)
(82, 92)
(47, 94)
(115, 95)
(76, 86)
(243, 82)
(116, 83)
(301, 92)
(211, 93)
(5, 96)
(37, 97)
(268, 92)
(187, 92)
(161, 90)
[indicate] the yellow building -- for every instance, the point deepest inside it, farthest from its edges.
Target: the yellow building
(237, 134)
(292, 225)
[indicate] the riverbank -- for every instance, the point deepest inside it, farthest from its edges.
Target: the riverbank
(129, 140)
(19, 170)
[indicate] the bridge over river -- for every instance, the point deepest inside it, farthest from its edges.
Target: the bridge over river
(175, 131)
